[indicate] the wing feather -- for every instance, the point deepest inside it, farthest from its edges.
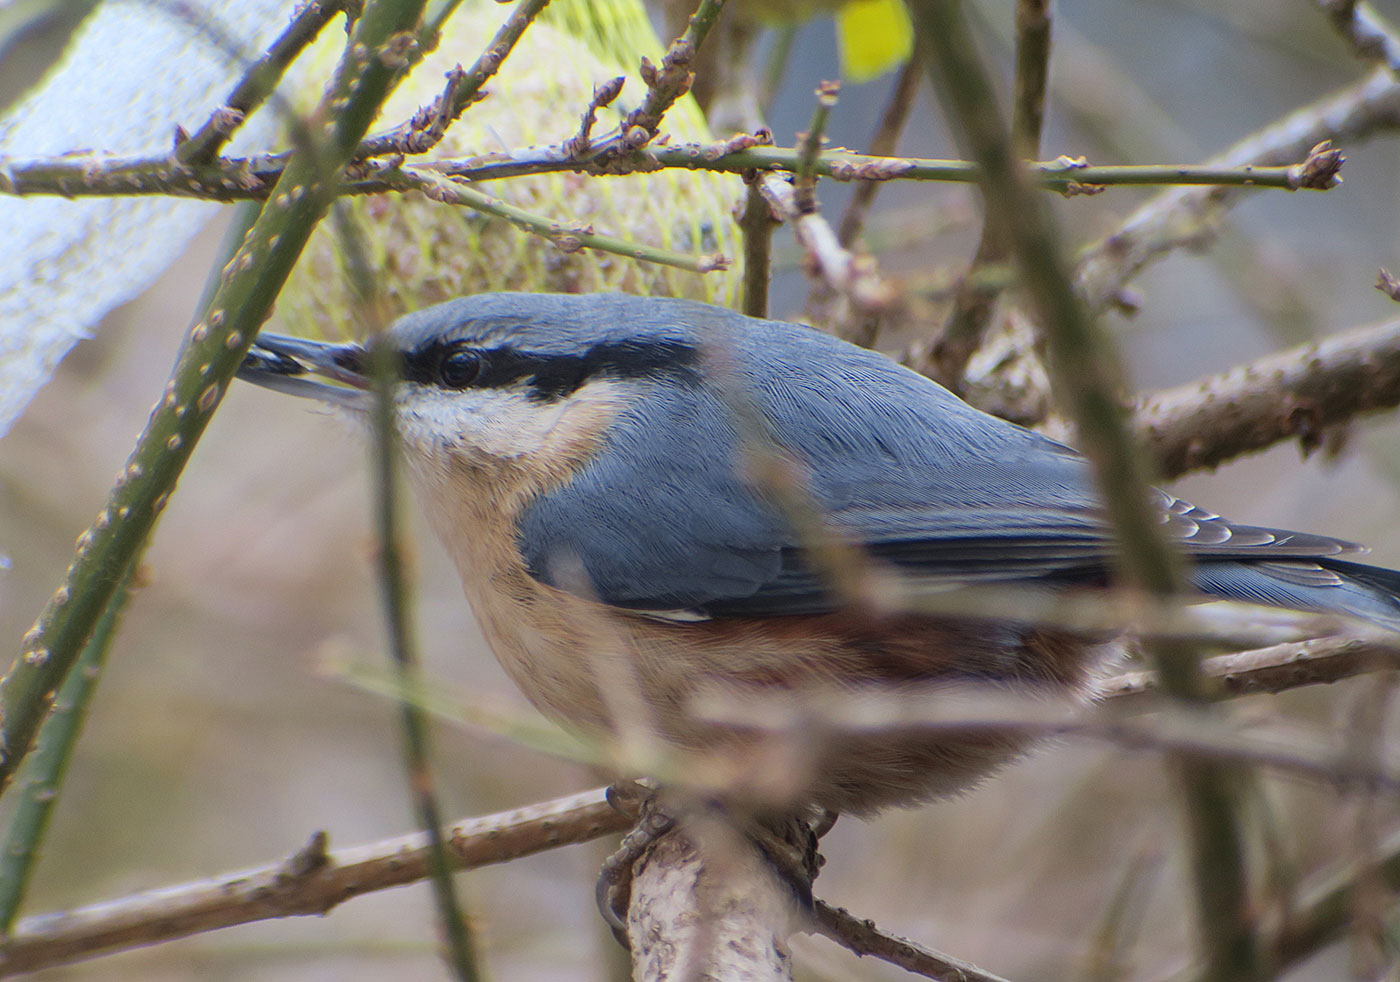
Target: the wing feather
(662, 518)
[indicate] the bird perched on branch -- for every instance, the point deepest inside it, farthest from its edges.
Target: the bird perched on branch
(599, 459)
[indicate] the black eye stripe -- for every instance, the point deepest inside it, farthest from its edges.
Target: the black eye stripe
(450, 365)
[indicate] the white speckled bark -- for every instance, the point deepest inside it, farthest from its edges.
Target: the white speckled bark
(706, 907)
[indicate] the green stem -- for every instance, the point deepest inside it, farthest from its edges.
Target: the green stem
(757, 225)
(468, 87)
(258, 83)
(207, 363)
(1087, 376)
(43, 773)
(566, 237)
(461, 949)
(241, 180)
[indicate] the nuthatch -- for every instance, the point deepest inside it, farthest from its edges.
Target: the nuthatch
(582, 456)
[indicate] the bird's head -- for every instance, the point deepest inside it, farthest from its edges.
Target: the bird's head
(510, 391)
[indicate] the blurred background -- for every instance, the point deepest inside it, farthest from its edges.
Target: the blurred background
(220, 738)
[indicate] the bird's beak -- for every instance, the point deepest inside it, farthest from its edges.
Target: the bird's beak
(284, 363)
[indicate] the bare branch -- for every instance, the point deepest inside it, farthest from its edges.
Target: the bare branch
(239, 179)
(315, 881)
(428, 126)
(1085, 369)
(671, 81)
(311, 882)
(855, 278)
(1190, 218)
(258, 83)
(757, 223)
(1296, 393)
(706, 904)
(207, 363)
(1274, 669)
(568, 238)
(865, 938)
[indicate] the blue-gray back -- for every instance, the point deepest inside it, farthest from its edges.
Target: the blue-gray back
(664, 516)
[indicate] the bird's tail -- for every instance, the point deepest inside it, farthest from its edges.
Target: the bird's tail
(1371, 593)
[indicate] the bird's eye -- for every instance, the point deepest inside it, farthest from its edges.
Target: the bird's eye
(458, 368)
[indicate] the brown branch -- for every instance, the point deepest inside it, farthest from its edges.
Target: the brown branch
(241, 179)
(756, 222)
(311, 882)
(865, 938)
(1296, 393)
(1271, 670)
(1191, 217)
(853, 278)
(669, 82)
(707, 905)
(314, 881)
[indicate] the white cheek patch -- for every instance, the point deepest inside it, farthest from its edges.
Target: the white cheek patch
(485, 425)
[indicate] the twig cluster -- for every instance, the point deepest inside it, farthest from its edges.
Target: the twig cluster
(1302, 394)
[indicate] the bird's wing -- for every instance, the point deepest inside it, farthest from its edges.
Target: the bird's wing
(663, 519)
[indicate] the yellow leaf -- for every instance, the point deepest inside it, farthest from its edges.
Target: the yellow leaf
(873, 37)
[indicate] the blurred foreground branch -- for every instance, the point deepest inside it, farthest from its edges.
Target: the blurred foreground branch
(315, 880)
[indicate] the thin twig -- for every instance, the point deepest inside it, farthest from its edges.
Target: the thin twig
(809, 148)
(1301, 392)
(757, 224)
(854, 278)
(311, 882)
(971, 312)
(669, 82)
(212, 354)
(250, 178)
(603, 95)
(1270, 670)
(370, 310)
(1190, 217)
(258, 82)
(567, 238)
(428, 126)
(315, 882)
(884, 143)
(1086, 373)
(865, 938)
